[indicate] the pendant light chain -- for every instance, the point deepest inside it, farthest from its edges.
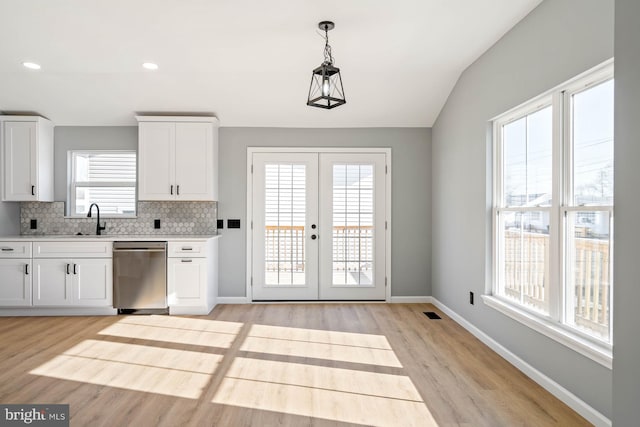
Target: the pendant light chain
(328, 58)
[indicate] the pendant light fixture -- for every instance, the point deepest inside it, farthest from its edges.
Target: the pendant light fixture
(326, 89)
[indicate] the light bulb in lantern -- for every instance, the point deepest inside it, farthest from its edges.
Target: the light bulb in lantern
(325, 87)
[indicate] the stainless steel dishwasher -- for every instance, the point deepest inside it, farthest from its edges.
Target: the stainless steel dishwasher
(140, 277)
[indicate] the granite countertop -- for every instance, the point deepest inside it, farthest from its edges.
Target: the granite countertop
(109, 238)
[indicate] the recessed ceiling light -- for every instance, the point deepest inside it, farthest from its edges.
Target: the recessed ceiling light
(150, 66)
(31, 65)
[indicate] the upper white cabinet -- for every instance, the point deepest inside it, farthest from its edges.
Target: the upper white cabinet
(27, 158)
(177, 158)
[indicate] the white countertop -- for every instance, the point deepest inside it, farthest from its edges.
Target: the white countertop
(110, 238)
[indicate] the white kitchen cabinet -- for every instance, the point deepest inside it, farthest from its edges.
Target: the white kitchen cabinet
(187, 279)
(192, 276)
(77, 282)
(52, 282)
(27, 157)
(15, 274)
(15, 286)
(78, 274)
(177, 158)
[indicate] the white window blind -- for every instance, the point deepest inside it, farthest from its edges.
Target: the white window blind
(107, 178)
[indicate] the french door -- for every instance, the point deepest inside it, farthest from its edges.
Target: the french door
(318, 226)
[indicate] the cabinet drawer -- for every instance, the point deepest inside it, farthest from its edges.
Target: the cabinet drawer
(193, 249)
(15, 249)
(72, 249)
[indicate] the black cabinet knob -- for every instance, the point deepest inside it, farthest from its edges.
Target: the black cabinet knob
(314, 237)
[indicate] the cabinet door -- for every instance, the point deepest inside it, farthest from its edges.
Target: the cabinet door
(92, 282)
(19, 146)
(52, 282)
(187, 281)
(156, 165)
(194, 161)
(15, 286)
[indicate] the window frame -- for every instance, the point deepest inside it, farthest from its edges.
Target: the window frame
(74, 184)
(553, 324)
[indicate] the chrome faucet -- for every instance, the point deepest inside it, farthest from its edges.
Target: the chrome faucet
(99, 227)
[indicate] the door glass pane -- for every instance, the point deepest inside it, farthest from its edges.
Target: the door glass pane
(524, 264)
(353, 221)
(527, 147)
(592, 122)
(589, 291)
(285, 216)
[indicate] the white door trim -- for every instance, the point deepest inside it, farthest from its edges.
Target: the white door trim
(249, 213)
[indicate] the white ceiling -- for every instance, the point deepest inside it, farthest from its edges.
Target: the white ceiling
(247, 61)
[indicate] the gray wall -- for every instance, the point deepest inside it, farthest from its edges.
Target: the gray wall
(9, 218)
(556, 41)
(86, 138)
(411, 196)
(626, 351)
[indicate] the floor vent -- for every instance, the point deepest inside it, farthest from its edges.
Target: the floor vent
(432, 315)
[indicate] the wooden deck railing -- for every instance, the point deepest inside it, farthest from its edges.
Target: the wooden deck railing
(285, 247)
(525, 273)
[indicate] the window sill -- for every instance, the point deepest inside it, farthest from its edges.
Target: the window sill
(601, 354)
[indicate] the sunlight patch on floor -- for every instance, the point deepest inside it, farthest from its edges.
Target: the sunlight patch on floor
(165, 371)
(319, 344)
(330, 393)
(159, 329)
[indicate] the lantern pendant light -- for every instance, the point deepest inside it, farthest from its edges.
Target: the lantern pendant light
(326, 89)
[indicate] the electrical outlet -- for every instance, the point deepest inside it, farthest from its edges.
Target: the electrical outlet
(471, 298)
(220, 224)
(233, 223)
(34, 224)
(156, 223)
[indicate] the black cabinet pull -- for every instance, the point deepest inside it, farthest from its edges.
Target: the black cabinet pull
(68, 268)
(171, 191)
(74, 268)
(314, 237)
(26, 269)
(177, 190)
(33, 190)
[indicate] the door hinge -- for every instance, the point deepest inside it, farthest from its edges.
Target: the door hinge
(386, 169)
(386, 225)
(251, 168)
(252, 282)
(385, 282)
(252, 224)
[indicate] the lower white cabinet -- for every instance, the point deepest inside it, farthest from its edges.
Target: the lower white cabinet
(187, 279)
(15, 283)
(192, 276)
(77, 282)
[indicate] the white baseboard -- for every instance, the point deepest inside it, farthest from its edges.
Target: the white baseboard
(410, 300)
(570, 399)
(232, 300)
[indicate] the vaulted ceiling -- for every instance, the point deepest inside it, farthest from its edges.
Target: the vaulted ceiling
(248, 62)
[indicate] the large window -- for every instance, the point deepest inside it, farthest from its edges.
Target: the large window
(553, 207)
(107, 178)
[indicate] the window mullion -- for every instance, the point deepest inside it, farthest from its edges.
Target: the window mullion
(556, 282)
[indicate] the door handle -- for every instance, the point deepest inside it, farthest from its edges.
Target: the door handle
(186, 260)
(74, 268)
(68, 265)
(26, 269)
(171, 191)
(177, 190)
(33, 190)
(314, 237)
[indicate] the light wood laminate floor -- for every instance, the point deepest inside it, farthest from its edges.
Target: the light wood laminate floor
(270, 365)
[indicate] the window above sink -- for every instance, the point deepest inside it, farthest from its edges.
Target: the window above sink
(105, 177)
